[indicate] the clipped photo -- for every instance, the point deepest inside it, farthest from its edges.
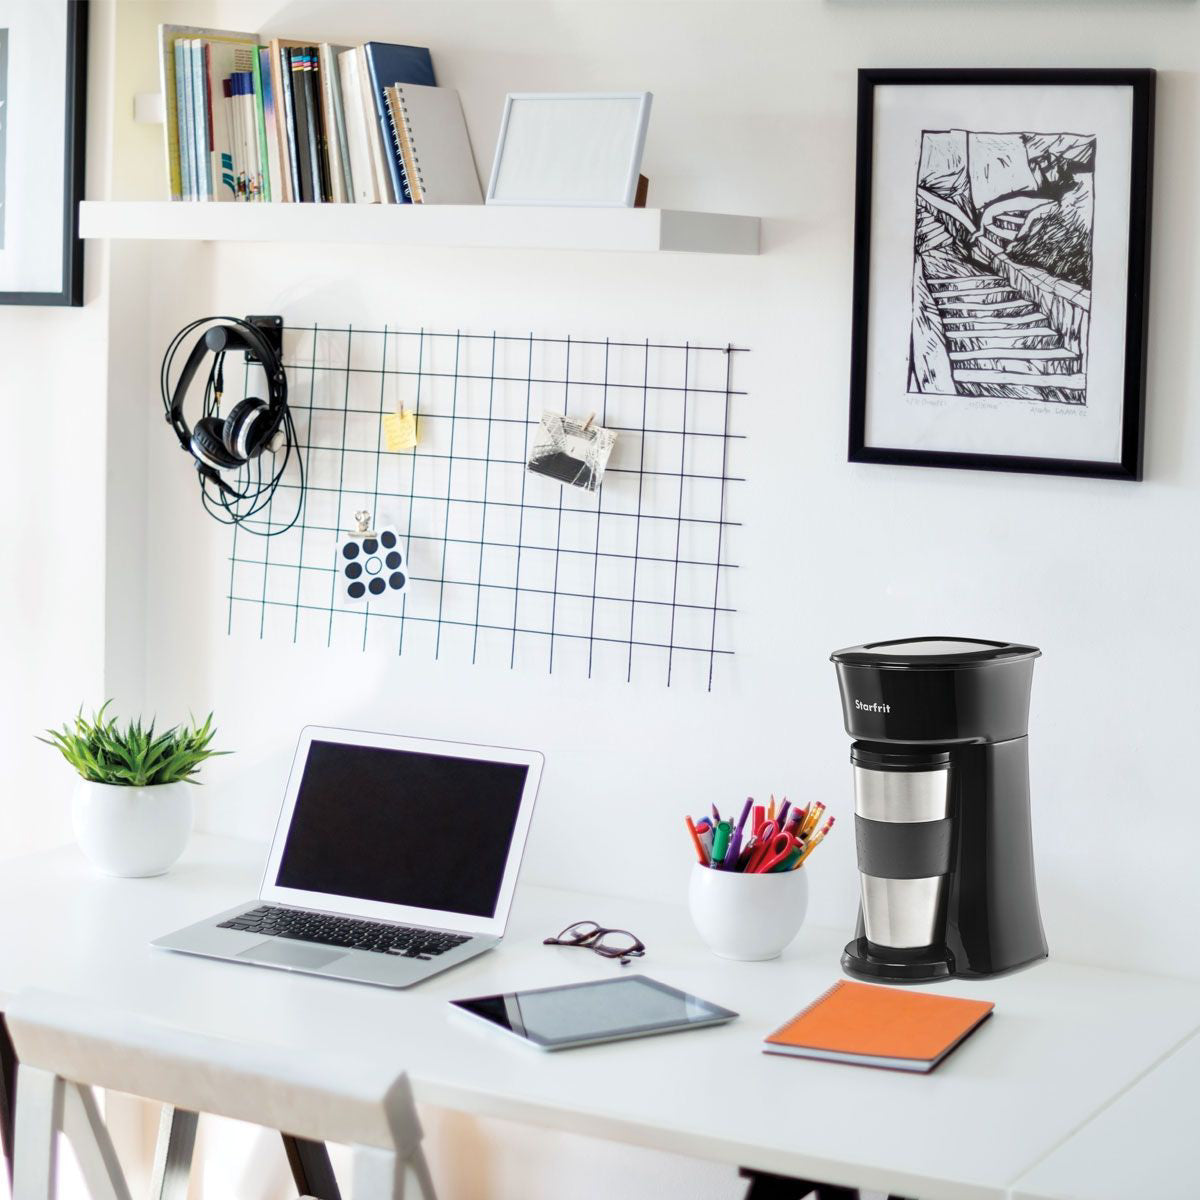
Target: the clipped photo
(571, 452)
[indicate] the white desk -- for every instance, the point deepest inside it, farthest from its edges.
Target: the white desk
(1144, 1144)
(1064, 1041)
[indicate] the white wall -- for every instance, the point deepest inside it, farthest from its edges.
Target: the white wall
(52, 513)
(754, 112)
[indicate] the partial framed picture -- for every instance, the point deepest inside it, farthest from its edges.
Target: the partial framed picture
(1001, 263)
(43, 81)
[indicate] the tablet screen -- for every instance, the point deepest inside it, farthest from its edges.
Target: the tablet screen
(605, 1010)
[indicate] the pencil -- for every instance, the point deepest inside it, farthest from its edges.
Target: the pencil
(697, 842)
(814, 815)
(771, 808)
(809, 847)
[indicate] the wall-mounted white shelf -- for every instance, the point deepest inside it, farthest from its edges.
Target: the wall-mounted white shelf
(646, 230)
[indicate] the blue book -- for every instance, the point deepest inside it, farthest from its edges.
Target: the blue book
(389, 64)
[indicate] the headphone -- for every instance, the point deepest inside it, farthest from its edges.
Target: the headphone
(239, 440)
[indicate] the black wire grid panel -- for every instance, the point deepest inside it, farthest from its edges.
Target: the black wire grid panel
(506, 567)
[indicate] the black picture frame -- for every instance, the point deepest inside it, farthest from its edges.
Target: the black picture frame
(1142, 83)
(70, 293)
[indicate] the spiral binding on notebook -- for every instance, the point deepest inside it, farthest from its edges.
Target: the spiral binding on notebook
(805, 1011)
(410, 162)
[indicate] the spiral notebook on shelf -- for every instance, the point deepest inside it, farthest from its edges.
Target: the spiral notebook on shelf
(880, 1027)
(430, 135)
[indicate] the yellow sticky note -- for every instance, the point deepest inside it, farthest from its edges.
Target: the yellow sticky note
(400, 430)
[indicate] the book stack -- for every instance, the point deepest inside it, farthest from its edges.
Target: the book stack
(308, 122)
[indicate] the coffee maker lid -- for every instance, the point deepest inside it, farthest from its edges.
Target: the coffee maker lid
(914, 654)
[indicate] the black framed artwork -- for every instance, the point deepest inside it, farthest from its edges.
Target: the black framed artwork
(43, 89)
(1001, 260)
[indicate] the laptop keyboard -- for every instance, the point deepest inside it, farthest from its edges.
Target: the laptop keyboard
(348, 932)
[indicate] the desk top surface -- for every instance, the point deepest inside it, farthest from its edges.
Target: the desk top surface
(1143, 1145)
(1064, 1040)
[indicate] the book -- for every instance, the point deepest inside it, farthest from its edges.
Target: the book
(285, 129)
(271, 117)
(362, 170)
(227, 61)
(375, 135)
(430, 134)
(190, 111)
(296, 62)
(261, 84)
(313, 133)
(340, 171)
(389, 64)
(879, 1027)
(203, 126)
(179, 157)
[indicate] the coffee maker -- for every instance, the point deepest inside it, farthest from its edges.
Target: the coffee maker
(941, 808)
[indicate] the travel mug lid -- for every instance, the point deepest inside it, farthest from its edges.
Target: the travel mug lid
(929, 653)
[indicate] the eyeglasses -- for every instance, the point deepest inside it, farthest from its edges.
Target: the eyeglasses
(609, 943)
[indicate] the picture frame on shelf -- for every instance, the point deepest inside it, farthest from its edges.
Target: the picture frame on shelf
(43, 93)
(573, 149)
(1001, 264)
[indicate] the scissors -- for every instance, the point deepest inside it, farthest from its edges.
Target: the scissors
(774, 846)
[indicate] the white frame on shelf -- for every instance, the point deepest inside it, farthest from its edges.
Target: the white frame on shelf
(633, 161)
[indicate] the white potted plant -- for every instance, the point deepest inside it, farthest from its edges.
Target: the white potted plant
(132, 806)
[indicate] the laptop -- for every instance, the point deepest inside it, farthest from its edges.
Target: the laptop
(394, 858)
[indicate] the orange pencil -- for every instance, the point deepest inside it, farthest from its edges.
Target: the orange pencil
(771, 808)
(697, 842)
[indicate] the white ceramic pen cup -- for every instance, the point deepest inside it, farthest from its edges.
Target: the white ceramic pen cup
(747, 917)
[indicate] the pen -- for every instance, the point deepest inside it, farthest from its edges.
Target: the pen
(721, 842)
(781, 815)
(706, 840)
(741, 825)
(731, 854)
(716, 815)
(756, 822)
(697, 842)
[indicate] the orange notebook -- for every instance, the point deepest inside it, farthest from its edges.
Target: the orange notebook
(880, 1027)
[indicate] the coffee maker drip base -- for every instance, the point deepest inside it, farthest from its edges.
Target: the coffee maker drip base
(866, 960)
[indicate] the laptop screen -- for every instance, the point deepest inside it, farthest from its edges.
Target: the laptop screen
(402, 827)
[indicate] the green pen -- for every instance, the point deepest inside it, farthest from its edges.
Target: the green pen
(721, 841)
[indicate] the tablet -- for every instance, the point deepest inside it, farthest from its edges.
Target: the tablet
(582, 1014)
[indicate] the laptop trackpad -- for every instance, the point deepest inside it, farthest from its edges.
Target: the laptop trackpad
(292, 954)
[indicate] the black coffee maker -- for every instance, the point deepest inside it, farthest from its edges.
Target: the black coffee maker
(941, 807)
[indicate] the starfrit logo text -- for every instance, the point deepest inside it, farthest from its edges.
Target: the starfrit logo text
(876, 707)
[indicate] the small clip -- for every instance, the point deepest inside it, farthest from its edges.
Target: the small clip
(588, 423)
(363, 523)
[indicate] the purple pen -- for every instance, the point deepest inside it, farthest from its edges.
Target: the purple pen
(716, 815)
(781, 815)
(735, 845)
(741, 824)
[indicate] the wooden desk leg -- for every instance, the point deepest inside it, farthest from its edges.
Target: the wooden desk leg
(311, 1168)
(173, 1154)
(8, 1096)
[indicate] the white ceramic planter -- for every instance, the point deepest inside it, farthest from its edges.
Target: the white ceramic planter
(132, 832)
(748, 917)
